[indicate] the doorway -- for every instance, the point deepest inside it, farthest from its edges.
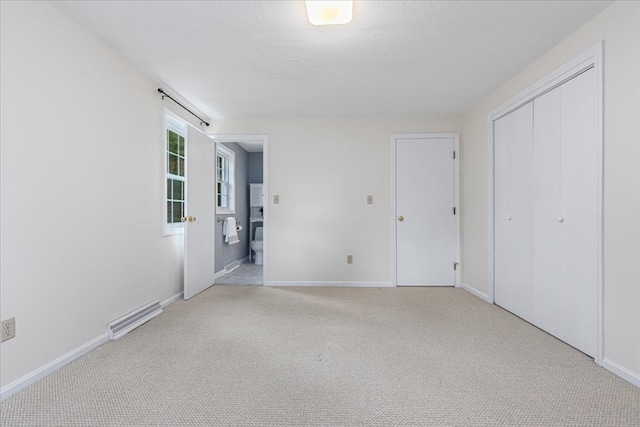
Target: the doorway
(247, 268)
(426, 209)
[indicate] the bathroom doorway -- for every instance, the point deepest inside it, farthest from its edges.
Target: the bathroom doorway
(250, 265)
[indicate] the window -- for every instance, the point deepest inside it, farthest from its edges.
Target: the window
(225, 165)
(175, 136)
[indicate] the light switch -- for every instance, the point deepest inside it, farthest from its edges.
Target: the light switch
(370, 200)
(276, 199)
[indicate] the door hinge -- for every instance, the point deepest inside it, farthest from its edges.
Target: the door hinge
(455, 265)
(454, 155)
(454, 210)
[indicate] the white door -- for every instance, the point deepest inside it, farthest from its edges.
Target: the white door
(199, 228)
(548, 296)
(513, 151)
(565, 212)
(426, 232)
(256, 196)
(546, 212)
(579, 211)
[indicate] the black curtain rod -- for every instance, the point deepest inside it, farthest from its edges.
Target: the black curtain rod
(171, 98)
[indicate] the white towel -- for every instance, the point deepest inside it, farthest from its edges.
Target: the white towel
(229, 230)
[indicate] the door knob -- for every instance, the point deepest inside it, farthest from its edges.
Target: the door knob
(508, 218)
(183, 219)
(560, 220)
(191, 219)
(400, 218)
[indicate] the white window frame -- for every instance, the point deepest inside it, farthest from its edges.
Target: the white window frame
(230, 158)
(178, 125)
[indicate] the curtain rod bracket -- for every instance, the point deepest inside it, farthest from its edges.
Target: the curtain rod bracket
(163, 93)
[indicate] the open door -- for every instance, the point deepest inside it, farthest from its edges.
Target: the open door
(199, 226)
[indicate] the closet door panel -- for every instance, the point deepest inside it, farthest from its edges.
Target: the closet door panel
(548, 299)
(578, 210)
(513, 211)
(503, 293)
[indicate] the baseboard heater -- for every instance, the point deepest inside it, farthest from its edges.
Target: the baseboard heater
(129, 322)
(232, 266)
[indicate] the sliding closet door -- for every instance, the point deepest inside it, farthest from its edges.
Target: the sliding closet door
(513, 151)
(579, 211)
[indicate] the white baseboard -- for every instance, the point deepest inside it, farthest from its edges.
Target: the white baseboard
(476, 293)
(29, 379)
(622, 372)
(422, 285)
(334, 284)
(219, 274)
(171, 300)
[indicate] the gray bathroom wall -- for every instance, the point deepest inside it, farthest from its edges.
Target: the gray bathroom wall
(255, 168)
(225, 253)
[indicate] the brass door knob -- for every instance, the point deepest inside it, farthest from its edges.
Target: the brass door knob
(400, 218)
(191, 219)
(183, 219)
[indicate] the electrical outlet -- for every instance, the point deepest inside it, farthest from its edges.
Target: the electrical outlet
(276, 199)
(8, 329)
(349, 259)
(369, 200)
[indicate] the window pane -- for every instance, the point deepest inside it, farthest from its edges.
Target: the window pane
(181, 145)
(173, 164)
(225, 169)
(223, 201)
(169, 189)
(169, 217)
(177, 190)
(177, 211)
(172, 139)
(223, 189)
(180, 166)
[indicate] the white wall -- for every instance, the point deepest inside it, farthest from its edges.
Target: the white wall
(81, 239)
(323, 169)
(619, 27)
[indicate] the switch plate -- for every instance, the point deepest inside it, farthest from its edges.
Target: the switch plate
(8, 329)
(370, 200)
(349, 259)
(276, 199)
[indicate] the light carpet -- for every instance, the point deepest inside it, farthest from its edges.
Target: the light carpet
(258, 356)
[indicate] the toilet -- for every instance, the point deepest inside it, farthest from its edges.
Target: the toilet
(256, 245)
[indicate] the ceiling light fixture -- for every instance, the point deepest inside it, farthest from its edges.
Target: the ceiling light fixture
(329, 12)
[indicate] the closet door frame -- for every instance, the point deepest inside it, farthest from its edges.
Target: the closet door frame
(591, 58)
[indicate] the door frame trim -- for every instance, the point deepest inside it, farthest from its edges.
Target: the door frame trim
(264, 138)
(590, 58)
(456, 183)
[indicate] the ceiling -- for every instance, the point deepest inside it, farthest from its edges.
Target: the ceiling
(233, 59)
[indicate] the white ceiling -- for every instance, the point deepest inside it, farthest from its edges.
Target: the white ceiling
(263, 58)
